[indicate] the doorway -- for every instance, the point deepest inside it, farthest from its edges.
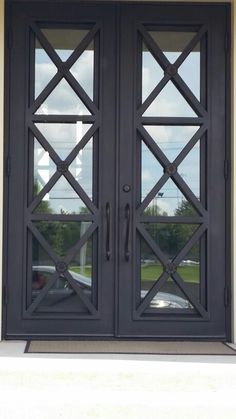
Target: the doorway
(116, 171)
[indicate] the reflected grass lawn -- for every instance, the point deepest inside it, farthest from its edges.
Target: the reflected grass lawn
(188, 273)
(151, 272)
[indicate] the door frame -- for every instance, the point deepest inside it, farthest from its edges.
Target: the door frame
(228, 240)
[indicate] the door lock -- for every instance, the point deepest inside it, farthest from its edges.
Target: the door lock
(126, 188)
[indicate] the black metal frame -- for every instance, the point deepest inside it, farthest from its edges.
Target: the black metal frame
(120, 315)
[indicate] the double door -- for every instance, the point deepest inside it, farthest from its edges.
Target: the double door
(116, 180)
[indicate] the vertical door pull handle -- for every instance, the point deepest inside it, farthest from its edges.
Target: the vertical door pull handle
(127, 218)
(108, 226)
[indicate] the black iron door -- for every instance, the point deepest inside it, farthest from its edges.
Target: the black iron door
(115, 167)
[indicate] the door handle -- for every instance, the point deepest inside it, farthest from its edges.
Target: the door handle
(108, 235)
(127, 218)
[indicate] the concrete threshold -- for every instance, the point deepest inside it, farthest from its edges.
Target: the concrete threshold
(115, 386)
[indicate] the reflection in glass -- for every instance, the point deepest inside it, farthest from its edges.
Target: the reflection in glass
(189, 270)
(63, 101)
(61, 297)
(189, 169)
(64, 41)
(170, 201)
(152, 170)
(82, 168)
(82, 262)
(169, 102)
(152, 72)
(190, 71)
(151, 268)
(172, 139)
(44, 69)
(44, 167)
(83, 70)
(172, 43)
(63, 137)
(170, 297)
(62, 199)
(171, 238)
(62, 235)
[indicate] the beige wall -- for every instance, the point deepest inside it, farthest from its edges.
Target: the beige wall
(1, 137)
(233, 148)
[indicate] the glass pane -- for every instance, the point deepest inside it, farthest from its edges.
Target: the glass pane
(61, 297)
(62, 199)
(151, 268)
(170, 201)
(44, 69)
(170, 296)
(189, 169)
(189, 270)
(63, 137)
(82, 168)
(171, 238)
(83, 70)
(152, 72)
(171, 139)
(62, 236)
(63, 101)
(190, 71)
(64, 41)
(152, 170)
(44, 167)
(172, 43)
(169, 102)
(83, 261)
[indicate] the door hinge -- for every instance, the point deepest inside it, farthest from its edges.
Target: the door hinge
(226, 169)
(8, 166)
(10, 38)
(5, 294)
(227, 41)
(226, 296)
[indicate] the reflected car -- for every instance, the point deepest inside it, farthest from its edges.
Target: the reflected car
(62, 289)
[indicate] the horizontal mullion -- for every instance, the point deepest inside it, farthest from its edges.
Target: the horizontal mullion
(170, 219)
(63, 118)
(168, 120)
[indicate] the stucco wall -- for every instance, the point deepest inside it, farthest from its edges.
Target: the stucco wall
(233, 148)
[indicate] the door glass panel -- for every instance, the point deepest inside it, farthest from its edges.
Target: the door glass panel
(82, 168)
(151, 170)
(171, 139)
(151, 268)
(83, 70)
(62, 199)
(152, 72)
(189, 271)
(169, 102)
(169, 201)
(189, 169)
(40, 259)
(172, 43)
(171, 238)
(63, 137)
(44, 69)
(63, 101)
(62, 235)
(64, 41)
(170, 297)
(44, 167)
(190, 71)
